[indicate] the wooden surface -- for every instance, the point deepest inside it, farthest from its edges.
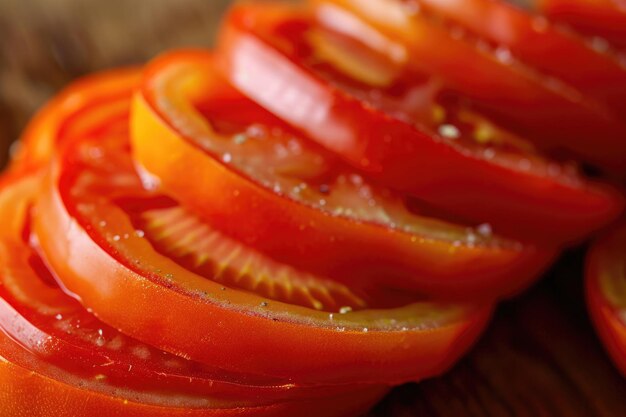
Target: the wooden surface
(540, 357)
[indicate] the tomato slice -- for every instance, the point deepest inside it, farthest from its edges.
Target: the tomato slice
(98, 101)
(261, 184)
(494, 179)
(51, 346)
(606, 293)
(589, 66)
(90, 239)
(555, 116)
(29, 392)
(603, 19)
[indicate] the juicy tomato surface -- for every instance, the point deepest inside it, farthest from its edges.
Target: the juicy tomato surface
(262, 184)
(606, 293)
(555, 116)
(126, 252)
(328, 206)
(590, 66)
(449, 157)
(57, 353)
(604, 20)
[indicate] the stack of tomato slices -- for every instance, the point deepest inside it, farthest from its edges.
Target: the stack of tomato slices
(329, 205)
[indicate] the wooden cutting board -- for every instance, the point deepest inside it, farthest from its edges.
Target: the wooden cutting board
(540, 357)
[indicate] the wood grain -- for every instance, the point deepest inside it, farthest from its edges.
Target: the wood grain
(540, 357)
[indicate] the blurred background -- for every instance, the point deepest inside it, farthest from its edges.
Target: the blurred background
(540, 356)
(46, 43)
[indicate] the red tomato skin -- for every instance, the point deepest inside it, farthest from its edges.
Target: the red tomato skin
(57, 367)
(26, 393)
(300, 235)
(555, 117)
(541, 44)
(273, 348)
(605, 19)
(516, 203)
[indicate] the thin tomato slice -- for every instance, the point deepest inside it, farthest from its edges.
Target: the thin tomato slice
(554, 115)
(453, 159)
(52, 348)
(588, 65)
(261, 184)
(605, 20)
(31, 387)
(90, 239)
(606, 293)
(99, 101)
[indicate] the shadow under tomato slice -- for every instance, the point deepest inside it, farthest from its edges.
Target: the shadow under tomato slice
(96, 251)
(48, 339)
(606, 292)
(406, 134)
(258, 182)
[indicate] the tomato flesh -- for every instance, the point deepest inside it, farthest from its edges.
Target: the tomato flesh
(497, 178)
(555, 116)
(134, 280)
(314, 210)
(47, 336)
(585, 65)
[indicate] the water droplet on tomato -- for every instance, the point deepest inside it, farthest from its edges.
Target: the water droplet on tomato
(489, 153)
(449, 131)
(485, 230)
(504, 55)
(599, 45)
(240, 139)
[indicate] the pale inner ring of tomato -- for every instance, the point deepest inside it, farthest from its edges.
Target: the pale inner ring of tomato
(275, 158)
(48, 326)
(110, 177)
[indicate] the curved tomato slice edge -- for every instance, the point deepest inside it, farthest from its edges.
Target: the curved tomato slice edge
(48, 338)
(98, 100)
(587, 65)
(552, 114)
(50, 324)
(126, 282)
(516, 200)
(26, 391)
(606, 293)
(353, 248)
(603, 19)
